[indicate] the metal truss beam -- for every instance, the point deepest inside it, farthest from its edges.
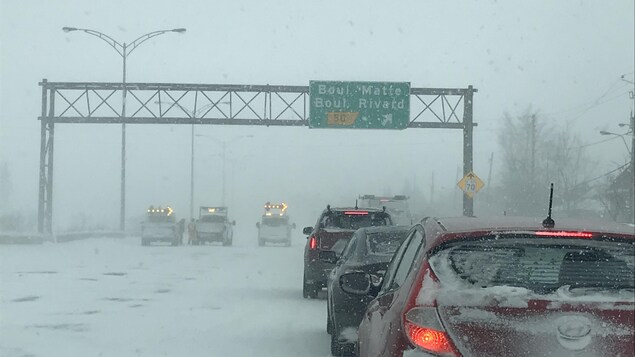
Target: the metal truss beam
(227, 104)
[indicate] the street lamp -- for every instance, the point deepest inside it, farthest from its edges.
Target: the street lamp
(621, 136)
(124, 50)
(224, 144)
(631, 151)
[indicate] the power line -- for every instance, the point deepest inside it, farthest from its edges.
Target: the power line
(595, 143)
(583, 105)
(599, 177)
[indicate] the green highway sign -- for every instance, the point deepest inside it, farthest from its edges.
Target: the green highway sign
(359, 105)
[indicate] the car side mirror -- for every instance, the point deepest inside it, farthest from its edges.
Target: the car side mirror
(257, 224)
(328, 256)
(356, 283)
(376, 281)
(307, 230)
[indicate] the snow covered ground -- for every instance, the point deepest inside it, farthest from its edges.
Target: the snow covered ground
(113, 297)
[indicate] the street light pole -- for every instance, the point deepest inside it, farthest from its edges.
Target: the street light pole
(192, 175)
(122, 207)
(224, 173)
(124, 50)
(223, 144)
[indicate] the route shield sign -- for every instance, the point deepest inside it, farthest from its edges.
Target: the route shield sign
(359, 105)
(470, 184)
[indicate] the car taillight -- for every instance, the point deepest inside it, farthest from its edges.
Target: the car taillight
(356, 213)
(421, 321)
(429, 339)
(313, 242)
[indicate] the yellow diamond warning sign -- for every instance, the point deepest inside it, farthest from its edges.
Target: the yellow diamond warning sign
(470, 184)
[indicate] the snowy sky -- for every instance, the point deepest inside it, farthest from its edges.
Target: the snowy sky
(563, 58)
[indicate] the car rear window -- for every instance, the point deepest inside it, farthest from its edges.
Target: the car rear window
(160, 219)
(543, 266)
(384, 243)
(355, 221)
(275, 221)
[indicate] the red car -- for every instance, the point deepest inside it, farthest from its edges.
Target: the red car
(504, 287)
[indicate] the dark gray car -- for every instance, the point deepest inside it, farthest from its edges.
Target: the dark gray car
(369, 251)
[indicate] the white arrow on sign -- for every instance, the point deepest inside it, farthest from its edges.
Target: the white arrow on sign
(387, 119)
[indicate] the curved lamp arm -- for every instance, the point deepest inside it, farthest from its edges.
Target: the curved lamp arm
(118, 46)
(621, 136)
(102, 36)
(143, 38)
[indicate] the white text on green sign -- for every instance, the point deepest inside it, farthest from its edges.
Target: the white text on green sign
(364, 105)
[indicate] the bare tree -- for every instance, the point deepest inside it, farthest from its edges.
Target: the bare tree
(533, 155)
(570, 167)
(522, 141)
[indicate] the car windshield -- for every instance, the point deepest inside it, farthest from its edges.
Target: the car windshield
(213, 219)
(384, 243)
(354, 221)
(541, 265)
(340, 245)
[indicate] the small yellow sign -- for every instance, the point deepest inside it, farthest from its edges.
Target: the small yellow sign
(341, 118)
(470, 184)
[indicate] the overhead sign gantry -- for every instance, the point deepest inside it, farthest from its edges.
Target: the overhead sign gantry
(262, 105)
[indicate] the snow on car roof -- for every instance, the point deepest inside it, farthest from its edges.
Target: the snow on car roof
(510, 223)
(385, 229)
(369, 209)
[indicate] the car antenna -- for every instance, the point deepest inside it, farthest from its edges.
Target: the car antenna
(549, 222)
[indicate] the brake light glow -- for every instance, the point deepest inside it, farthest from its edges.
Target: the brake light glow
(356, 213)
(429, 339)
(421, 323)
(564, 234)
(313, 243)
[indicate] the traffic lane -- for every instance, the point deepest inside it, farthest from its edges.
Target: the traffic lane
(113, 296)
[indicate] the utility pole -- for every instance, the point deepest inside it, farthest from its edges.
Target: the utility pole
(489, 175)
(533, 149)
(632, 151)
(432, 188)
(632, 185)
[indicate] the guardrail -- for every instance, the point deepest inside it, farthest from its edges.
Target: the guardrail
(36, 238)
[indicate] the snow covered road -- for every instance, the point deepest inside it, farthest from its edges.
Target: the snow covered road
(112, 297)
